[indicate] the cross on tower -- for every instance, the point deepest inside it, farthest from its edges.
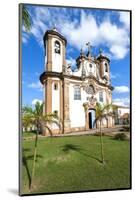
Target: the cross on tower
(89, 47)
(100, 51)
(54, 27)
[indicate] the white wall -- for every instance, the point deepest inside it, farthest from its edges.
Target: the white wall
(76, 109)
(122, 111)
(77, 114)
(87, 69)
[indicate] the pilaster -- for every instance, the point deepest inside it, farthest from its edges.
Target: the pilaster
(49, 54)
(66, 107)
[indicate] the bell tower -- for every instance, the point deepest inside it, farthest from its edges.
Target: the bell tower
(104, 66)
(55, 50)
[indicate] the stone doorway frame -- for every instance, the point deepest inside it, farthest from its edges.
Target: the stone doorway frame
(87, 107)
(89, 111)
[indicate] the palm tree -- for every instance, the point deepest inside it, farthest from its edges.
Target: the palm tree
(26, 121)
(102, 112)
(39, 120)
(26, 19)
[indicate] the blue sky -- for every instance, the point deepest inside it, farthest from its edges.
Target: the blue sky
(106, 29)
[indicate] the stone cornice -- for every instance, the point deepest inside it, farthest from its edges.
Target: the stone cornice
(61, 76)
(101, 57)
(52, 32)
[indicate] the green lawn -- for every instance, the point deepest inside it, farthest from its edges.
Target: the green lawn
(73, 164)
(28, 134)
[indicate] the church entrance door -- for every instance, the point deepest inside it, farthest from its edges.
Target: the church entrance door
(91, 116)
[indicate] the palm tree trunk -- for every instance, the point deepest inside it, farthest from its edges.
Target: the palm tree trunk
(101, 142)
(34, 159)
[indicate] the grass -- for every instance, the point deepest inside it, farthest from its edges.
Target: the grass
(28, 134)
(67, 164)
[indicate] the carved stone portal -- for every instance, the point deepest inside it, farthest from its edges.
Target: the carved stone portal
(92, 101)
(90, 89)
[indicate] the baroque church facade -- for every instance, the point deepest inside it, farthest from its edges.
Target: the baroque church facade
(72, 95)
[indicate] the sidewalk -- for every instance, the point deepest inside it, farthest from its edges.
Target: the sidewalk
(107, 131)
(89, 132)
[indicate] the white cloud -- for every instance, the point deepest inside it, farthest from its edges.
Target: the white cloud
(114, 37)
(119, 51)
(121, 101)
(36, 100)
(124, 17)
(121, 89)
(112, 34)
(79, 35)
(71, 61)
(24, 40)
(36, 85)
(114, 76)
(25, 37)
(39, 25)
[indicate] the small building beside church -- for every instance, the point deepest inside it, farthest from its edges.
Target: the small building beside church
(122, 115)
(72, 94)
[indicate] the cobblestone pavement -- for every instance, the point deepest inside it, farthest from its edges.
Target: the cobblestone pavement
(107, 131)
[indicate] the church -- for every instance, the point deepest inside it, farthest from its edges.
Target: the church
(72, 94)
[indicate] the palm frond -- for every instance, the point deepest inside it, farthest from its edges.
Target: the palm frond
(27, 109)
(26, 18)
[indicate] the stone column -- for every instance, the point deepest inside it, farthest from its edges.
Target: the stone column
(86, 117)
(101, 69)
(48, 102)
(49, 54)
(61, 99)
(44, 92)
(64, 53)
(48, 96)
(66, 107)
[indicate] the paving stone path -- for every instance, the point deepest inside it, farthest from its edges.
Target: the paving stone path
(107, 131)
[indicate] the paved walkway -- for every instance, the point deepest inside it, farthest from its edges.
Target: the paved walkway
(107, 131)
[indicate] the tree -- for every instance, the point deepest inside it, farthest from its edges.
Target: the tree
(26, 19)
(102, 112)
(27, 121)
(39, 120)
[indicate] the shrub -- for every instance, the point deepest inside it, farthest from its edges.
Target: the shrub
(126, 128)
(120, 136)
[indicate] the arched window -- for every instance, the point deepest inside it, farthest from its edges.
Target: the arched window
(90, 65)
(57, 47)
(55, 86)
(106, 67)
(77, 92)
